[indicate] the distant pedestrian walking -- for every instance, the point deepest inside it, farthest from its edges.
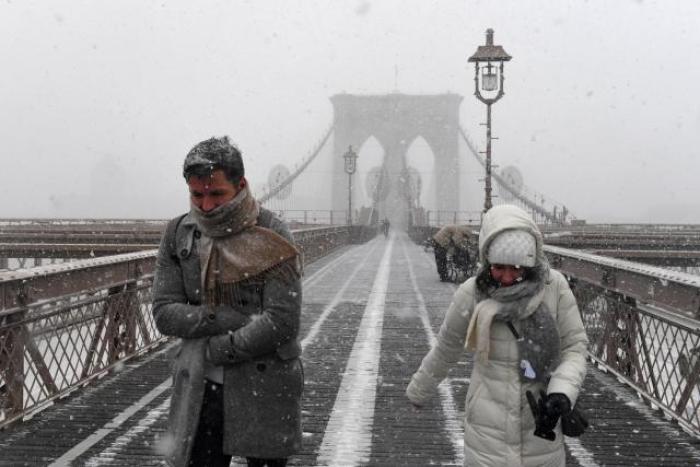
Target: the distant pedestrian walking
(385, 227)
(521, 320)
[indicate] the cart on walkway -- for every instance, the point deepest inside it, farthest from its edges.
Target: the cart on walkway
(459, 268)
(454, 264)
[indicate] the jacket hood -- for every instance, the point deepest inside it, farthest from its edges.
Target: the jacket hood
(507, 217)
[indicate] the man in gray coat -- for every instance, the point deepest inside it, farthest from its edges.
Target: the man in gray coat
(227, 283)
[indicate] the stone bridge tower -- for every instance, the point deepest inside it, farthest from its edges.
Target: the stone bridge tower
(396, 120)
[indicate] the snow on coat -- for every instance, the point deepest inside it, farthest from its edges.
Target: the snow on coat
(499, 426)
(263, 378)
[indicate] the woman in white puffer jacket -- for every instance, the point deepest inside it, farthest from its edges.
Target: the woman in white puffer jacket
(514, 293)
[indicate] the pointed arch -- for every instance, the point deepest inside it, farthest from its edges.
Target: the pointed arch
(421, 157)
(370, 155)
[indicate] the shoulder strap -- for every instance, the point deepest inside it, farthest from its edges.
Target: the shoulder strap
(179, 221)
(170, 234)
(513, 330)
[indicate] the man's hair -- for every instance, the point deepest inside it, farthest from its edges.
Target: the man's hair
(212, 154)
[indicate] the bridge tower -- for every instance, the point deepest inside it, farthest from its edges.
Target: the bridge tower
(395, 120)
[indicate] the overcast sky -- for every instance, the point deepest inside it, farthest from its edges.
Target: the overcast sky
(100, 100)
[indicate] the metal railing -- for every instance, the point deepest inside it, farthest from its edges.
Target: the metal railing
(643, 326)
(301, 217)
(85, 222)
(646, 228)
(440, 218)
(63, 325)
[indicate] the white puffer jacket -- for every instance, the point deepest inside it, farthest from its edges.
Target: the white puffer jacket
(499, 426)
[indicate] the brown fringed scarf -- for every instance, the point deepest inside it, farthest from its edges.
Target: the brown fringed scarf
(235, 251)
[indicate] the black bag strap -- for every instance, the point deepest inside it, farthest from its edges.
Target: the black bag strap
(513, 330)
(171, 235)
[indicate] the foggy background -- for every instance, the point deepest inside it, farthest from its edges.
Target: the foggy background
(100, 101)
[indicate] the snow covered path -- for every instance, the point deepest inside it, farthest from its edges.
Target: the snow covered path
(370, 313)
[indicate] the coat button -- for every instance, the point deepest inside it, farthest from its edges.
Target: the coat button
(261, 367)
(211, 316)
(183, 252)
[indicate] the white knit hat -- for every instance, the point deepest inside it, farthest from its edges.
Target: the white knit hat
(513, 247)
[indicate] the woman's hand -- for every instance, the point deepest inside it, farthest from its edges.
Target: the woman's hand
(547, 411)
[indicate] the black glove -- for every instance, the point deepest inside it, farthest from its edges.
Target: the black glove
(574, 423)
(557, 404)
(547, 411)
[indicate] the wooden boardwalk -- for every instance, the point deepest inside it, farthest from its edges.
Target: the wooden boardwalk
(370, 312)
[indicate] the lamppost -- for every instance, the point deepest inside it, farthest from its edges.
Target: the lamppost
(350, 166)
(488, 60)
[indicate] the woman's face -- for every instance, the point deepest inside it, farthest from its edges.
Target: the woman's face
(506, 274)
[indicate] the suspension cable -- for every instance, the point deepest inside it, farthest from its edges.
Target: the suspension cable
(270, 192)
(519, 196)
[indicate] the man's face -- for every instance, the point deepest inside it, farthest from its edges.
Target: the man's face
(211, 191)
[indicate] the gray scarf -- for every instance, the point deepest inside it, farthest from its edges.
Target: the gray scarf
(523, 307)
(231, 218)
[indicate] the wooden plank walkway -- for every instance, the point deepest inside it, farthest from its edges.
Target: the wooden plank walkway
(120, 420)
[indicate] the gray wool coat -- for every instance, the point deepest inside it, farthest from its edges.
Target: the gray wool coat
(256, 342)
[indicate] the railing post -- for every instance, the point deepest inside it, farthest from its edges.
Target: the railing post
(133, 306)
(12, 364)
(692, 379)
(131, 312)
(113, 342)
(647, 354)
(305, 217)
(90, 360)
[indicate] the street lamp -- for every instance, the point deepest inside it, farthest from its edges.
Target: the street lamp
(350, 166)
(488, 60)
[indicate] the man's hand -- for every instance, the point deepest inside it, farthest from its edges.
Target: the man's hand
(226, 318)
(221, 350)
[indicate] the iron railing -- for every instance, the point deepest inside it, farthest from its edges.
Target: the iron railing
(317, 217)
(440, 218)
(64, 325)
(643, 323)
